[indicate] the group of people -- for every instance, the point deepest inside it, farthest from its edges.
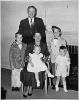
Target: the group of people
(29, 53)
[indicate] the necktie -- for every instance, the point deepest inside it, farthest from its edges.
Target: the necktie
(31, 23)
(31, 26)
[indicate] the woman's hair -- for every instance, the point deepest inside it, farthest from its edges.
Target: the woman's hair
(32, 7)
(36, 33)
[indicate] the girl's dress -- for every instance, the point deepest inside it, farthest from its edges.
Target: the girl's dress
(39, 65)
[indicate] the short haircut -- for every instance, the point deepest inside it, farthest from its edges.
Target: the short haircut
(62, 48)
(17, 33)
(55, 27)
(32, 7)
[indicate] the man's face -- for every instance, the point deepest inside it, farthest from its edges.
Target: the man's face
(56, 33)
(19, 38)
(31, 12)
(37, 37)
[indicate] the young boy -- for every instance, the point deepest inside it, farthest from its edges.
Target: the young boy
(53, 47)
(62, 67)
(17, 61)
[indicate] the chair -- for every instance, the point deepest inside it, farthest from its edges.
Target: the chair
(22, 87)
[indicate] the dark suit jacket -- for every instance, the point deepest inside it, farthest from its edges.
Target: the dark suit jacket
(25, 29)
(17, 56)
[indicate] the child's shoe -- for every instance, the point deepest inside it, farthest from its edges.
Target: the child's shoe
(57, 88)
(65, 90)
(13, 88)
(38, 83)
(17, 89)
(50, 75)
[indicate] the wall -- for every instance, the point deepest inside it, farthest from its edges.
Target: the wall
(70, 37)
(61, 13)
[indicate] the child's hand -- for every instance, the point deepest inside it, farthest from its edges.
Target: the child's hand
(32, 64)
(67, 73)
(42, 59)
(68, 59)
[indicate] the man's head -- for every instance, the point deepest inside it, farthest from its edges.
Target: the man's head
(37, 37)
(18, 37)
(32, 11)
(56, 31)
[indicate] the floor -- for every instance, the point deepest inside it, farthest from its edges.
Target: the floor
(37, 93)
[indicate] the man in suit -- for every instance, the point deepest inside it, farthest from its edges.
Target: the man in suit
(31, 25)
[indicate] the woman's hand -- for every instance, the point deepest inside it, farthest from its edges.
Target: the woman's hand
(30, 59)
(67, 73)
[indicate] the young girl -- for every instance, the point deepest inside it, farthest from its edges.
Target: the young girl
(36, 64)
(62, 67)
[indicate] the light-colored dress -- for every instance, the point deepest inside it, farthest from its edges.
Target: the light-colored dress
(39, 65)
(61, 67)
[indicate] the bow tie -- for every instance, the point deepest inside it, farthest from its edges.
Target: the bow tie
(56, 38)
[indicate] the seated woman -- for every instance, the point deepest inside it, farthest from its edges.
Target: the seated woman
(36, 64)
(28, 78)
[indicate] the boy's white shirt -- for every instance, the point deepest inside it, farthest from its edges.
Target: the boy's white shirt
(60, 58)
(55, 41)
(20, 45)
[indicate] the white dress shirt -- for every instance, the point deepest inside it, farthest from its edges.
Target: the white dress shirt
(20, 45)
(55, 41)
